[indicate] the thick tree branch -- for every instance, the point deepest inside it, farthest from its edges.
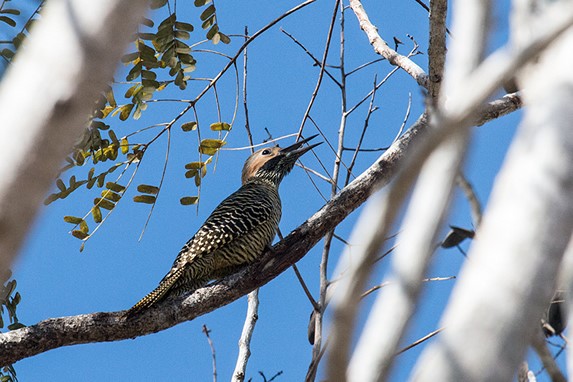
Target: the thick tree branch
(437, 46)
(104, 327)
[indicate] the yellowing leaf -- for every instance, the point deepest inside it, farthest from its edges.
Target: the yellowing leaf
(194, 165)
(218, 126)
(188, 126)
(211, 146)
(147, 189)
(96, 214)
(79, 234)
(73, 219)
(147, 199)
(189, 200)
(115, 186)
(104, 203)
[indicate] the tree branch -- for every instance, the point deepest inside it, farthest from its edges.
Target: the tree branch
(382, 48)
(110, 326)
(38, 125)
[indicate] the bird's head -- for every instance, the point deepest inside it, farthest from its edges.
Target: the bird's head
(273, 163)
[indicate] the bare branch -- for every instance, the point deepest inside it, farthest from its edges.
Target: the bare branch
(206, 331)
(246, 335)
(475, 205)
(540, 347)
(437, 46)
(532, 195)
(419, 341)
(382, 48)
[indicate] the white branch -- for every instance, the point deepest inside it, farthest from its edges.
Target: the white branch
(46, 97)
(395, 305)
(246, 335)
(509, 279)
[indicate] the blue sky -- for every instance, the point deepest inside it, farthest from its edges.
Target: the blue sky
(116, 269)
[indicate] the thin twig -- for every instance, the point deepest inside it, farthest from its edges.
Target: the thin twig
(371, 110)
(419, 341)
(314, 172)
(305, 287)
(475, 205)
(213, 355)
(247, 125)
(316, 62)
(359, 67)
(322, 69)
(323, 270)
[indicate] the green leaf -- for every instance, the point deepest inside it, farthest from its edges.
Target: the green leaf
(125, 111)
(157, 3)
(7, 53)
(200, 3)
(147, 199)
(211, 146)
(8, 21)
(146, 36)
(61, 185)
(51, 198)
(147, 22)
(218, 126)
(110, 195)
(73, 219)
(15, 326)
(208, 12)
(148, 189)
(184, 26)
(84, 227)
(79, 234)
(207, 23)
(189, 200)
(214, 30)
(113, 137)
(11, 11)
(191, 173)
(188, 126)
(130, 57)
(182, 35)
(195, 165)
(115, 187)
(134, 72)
(224, 38)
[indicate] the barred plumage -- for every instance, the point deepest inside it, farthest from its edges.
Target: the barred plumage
(237, 231)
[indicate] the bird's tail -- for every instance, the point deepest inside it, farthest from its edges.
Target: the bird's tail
(156, 295)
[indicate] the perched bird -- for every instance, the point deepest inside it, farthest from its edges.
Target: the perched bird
(237, 231)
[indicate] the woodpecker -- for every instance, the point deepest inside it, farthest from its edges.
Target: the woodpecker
(237, 231)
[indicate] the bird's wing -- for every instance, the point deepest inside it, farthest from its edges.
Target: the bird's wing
(237, 215)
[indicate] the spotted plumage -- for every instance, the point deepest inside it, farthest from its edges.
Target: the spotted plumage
(237, 231)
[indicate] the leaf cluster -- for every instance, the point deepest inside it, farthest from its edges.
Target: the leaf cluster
(8, 16)
(9, 300)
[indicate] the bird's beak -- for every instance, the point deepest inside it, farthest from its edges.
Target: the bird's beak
(296, 150)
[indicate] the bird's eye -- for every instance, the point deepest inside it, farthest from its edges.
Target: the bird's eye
(266, 152)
